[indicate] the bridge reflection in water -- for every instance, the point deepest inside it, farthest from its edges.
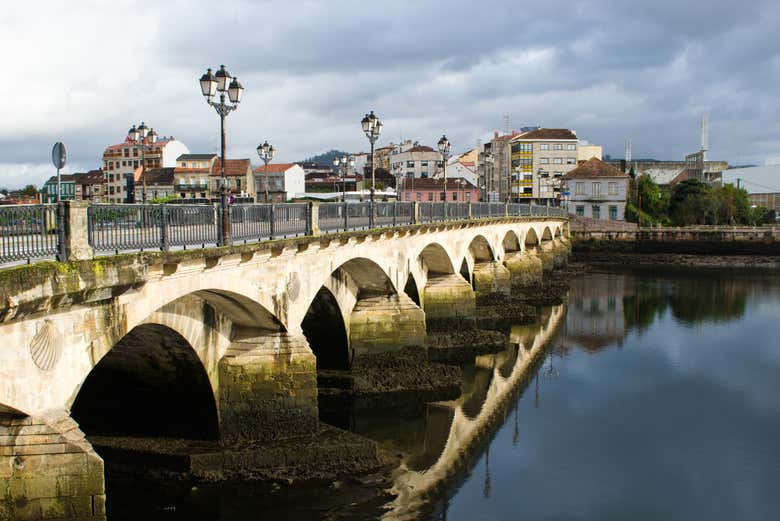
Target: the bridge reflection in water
(451, 431)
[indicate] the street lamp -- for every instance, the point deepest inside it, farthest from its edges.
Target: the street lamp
(266, 153)
(444, 149)
(142, 137)
(210, 84)
(343, 165)
(372, 127)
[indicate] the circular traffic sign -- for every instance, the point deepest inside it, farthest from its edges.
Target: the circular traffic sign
(59, 155)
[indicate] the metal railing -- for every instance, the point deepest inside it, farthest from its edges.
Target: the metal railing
(32, 231)
(257, 222)
(28, 232)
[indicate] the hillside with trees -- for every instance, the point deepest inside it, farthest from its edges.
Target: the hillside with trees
(327, 157)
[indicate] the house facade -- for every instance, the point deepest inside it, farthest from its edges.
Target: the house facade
(597, 190)
(159, 184)
(417, 162)
(425, 189)
(192, 175)
(285, 181)
(122, 165)
(238, 174)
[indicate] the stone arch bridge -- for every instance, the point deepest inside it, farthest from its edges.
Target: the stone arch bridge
(251, 322)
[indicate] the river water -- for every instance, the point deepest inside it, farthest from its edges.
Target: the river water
(647, 395)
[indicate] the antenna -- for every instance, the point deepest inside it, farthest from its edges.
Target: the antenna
(705, 135)
(506, 124)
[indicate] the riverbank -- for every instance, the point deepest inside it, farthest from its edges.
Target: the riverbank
(678, 260)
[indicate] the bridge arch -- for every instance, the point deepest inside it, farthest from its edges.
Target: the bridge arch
(546, 234)
(480, 249)
(151, 383)
(531, 239)
(511, 242)
(436, 259)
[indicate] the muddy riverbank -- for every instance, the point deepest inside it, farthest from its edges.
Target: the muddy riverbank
(651, 260)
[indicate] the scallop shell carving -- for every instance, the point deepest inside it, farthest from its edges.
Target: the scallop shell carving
(46, 346)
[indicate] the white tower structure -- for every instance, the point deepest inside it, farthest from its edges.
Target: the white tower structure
(705, 135)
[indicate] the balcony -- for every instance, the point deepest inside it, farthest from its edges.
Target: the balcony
(185, 187)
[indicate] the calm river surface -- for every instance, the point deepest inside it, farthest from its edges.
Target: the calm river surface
(654, 395)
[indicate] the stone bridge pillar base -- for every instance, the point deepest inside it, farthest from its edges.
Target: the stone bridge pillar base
(267, 387)
(547, 254)
(491, 277)
(385, 323)
(48, 470)
(524, 268)
(561, 250)
(449, 297)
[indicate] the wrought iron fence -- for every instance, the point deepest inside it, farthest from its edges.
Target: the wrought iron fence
(392, 214)
(28, 232)
(257, 222)
(457, 211)
(127, 227)
(430, 212)
(332, 217)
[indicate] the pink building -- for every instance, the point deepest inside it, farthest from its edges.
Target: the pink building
(459, 190)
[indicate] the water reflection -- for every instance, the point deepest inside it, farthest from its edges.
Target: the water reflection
(657, 400)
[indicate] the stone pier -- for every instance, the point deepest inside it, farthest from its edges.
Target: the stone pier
(267, 387)
(385, 323)
(48, 470)
(524, 268)
(547, 255)
(449, 296)
(491, 277)
(561, 251)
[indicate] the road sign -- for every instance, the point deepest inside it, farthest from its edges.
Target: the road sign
(59, 155)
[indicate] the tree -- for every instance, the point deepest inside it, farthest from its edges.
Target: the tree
(691, 203)
(30, 190)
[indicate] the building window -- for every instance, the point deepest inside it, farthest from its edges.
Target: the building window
(544, 146)
(441, 197)
(135, 152)
(430, 196)
(410, 164)
(406, 196)
(419, 197)
(613, 213)
(612, 188)
(596, 189)
(424, 164)
(558, 146)
(580, 211)
(544, 160)
(579, 189)
(558, 161)
(454, 196)
(468, 196)
(571, 146)
(596, 211)
(571, 160)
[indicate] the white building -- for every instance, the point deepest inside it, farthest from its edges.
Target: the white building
(597, 190)
(457, 169)
(285, 181)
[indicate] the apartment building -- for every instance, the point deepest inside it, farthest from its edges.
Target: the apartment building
(416, 162)
(238, 175)
(192, 175)
(159, 184)
(494, 167)
(540, 160)
(597, 190)
(122, 165)
(84, 186)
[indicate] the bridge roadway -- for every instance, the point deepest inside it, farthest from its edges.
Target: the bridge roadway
(251, 319)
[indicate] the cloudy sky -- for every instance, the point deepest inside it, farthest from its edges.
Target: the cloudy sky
(82, 72)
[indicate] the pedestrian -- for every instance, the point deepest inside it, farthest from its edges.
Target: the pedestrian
(231, 199)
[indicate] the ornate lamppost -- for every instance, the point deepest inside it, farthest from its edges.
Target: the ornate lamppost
(142, 137)
(445, 148)
(266, 153)
(372, 127)
(210, 84)
(343, 165)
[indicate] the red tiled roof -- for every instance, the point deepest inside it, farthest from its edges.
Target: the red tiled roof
(549, 133)
(232, 167)
(420, 148)
(127, 142)
(593, 168)
(275, 168)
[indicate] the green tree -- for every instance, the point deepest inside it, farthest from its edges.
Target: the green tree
(692, 203)
(31, 190)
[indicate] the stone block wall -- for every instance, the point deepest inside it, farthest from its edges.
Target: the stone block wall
(48, 471)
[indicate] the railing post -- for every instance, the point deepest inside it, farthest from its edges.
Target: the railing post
(415, 212)
(313, 219)
(506, 209)
(468, 210)
(272, 224)
(164, 227)
(73, 229)
(371, 213)
(395, 212)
